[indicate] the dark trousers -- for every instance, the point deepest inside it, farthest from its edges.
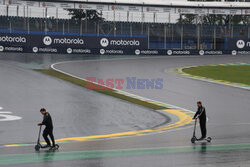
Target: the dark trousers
(203, 128)
(48, 132)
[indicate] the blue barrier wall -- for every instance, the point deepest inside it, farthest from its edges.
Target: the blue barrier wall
(157, 38)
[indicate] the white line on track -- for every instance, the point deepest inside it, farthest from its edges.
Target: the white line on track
(6, 116)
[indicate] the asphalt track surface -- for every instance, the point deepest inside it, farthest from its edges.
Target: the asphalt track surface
(75, 111)
(227, 109)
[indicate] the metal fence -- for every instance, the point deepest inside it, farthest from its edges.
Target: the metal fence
(60, 13)
(160, 36)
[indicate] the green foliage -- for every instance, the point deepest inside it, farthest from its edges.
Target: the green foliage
(214, 19)
(80, 14)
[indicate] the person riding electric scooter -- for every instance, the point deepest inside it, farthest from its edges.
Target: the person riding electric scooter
(201, 114)
(48, 131)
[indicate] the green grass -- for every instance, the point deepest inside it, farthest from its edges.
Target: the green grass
(235, 74)
(109, 92)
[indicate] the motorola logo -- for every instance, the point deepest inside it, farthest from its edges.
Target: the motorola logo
(240, 44)
(11, 39)
(137, 52)
(121, 42)
(169, 52)
(102, 51)
(35, 49)
(104, 42)
(1, 48)
(125, 42)
(47, 40)
(234, 52)
(69, 50)
(201, 52)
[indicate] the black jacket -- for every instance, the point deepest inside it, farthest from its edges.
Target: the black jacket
(201, 113)
(47, 121)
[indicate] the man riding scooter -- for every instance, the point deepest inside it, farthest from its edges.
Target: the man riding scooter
(48, 131)
(201, 114)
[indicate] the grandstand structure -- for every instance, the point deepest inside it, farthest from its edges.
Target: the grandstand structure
(162, 22)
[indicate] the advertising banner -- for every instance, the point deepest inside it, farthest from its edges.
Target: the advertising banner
(126, 8)
(102, 7)
(15, 2)
(185, 10)
(201, 11)
(226, 11)
(85, 6)
(66, 5)
(91, 6)
(67, 44)
(246, 12)
(153, 9)
(158, 9)
(135, 9)
(70, 44)
(119, 8)
(235, 11)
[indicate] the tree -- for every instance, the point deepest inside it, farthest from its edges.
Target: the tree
(214, 19)
(187, 19)
(80, 14)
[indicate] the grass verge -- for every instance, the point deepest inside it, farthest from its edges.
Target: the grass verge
(109, 92)
(231, 73)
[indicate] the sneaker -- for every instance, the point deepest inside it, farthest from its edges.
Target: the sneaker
(202, 138)
(53, 148)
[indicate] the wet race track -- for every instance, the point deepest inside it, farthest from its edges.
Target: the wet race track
(80, 112)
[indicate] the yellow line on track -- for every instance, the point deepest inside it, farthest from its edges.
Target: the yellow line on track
(184, 119)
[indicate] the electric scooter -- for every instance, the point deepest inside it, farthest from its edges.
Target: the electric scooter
(38, 145)
(194, 138)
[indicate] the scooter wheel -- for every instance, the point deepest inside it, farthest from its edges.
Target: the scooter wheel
(193, 140)
(37, 147)
(57, 146)
(209, 139)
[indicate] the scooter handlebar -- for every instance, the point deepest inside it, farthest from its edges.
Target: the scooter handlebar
(40, 124)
